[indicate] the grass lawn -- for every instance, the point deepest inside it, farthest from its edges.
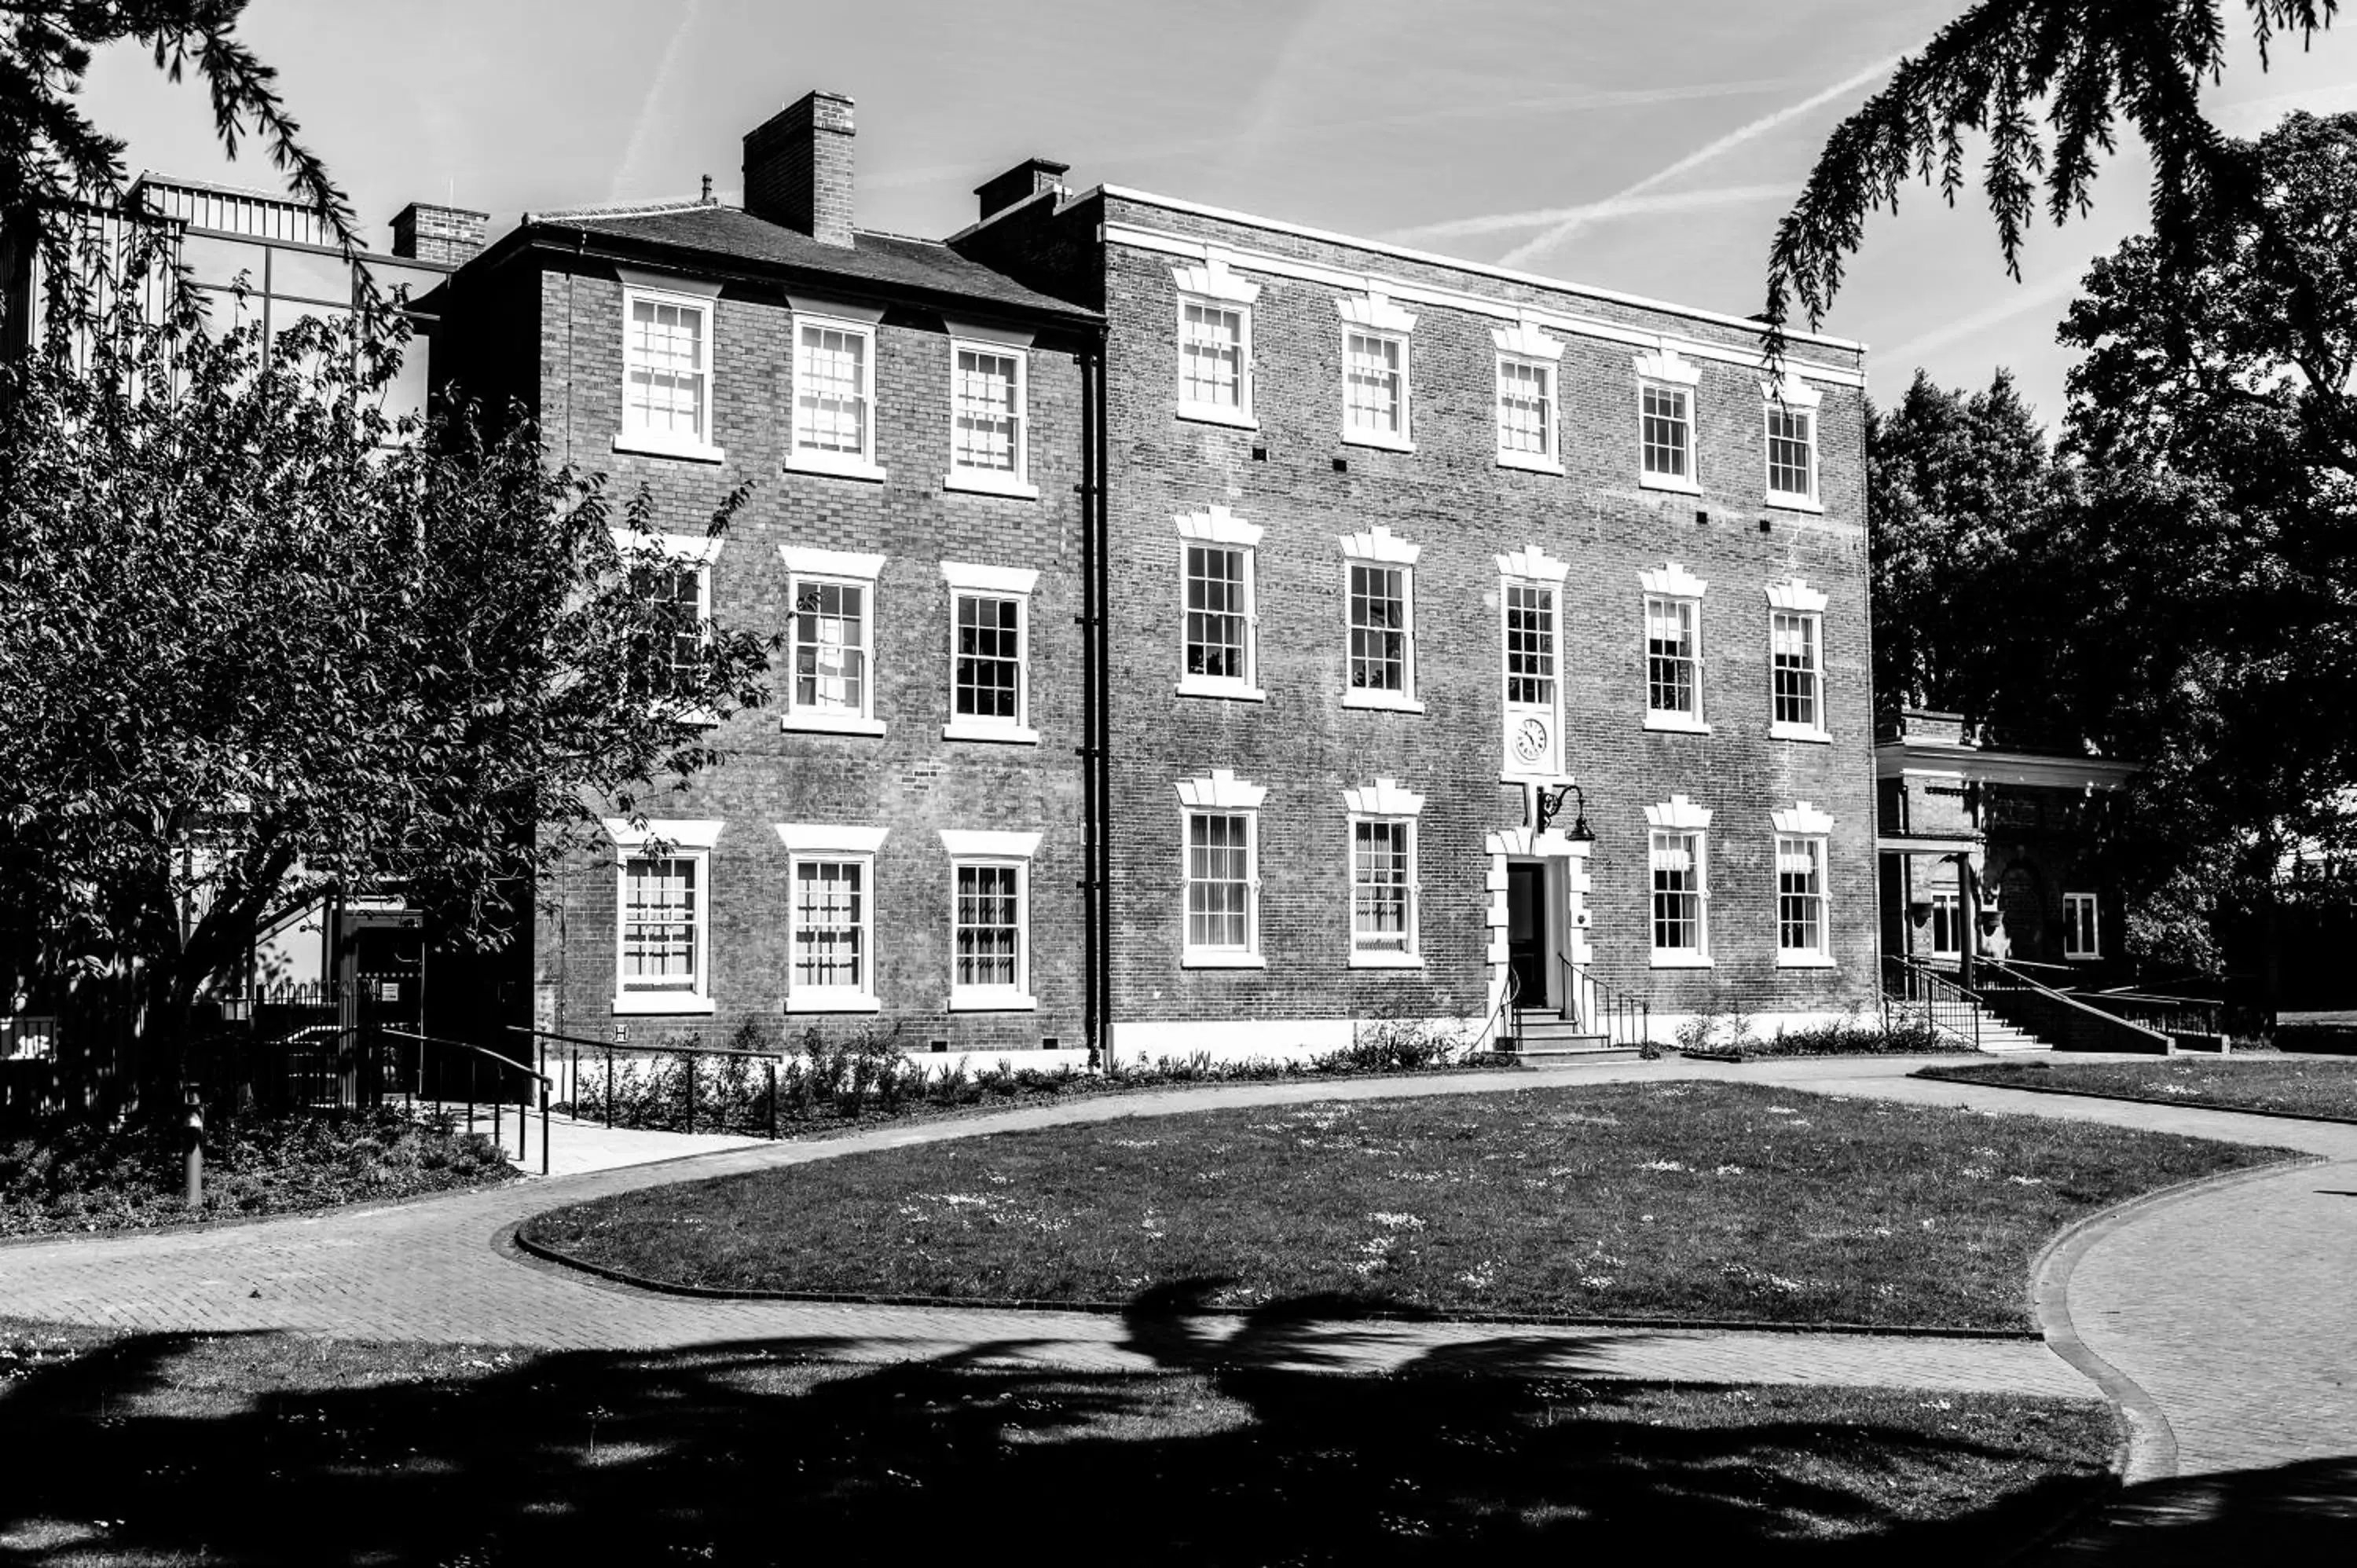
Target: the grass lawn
(79, 1178)
(273, 1448)
(1694, 1199)
(2304, 1086)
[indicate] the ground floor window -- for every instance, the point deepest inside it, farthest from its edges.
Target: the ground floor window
(662, 902)
(1679, 891)
(833, 910)
(2079, 934)
(1801, 899)
(1220, 882)
(1947, 923)
(1383, 889)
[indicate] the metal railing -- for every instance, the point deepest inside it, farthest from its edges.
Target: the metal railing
(504, 1071)
(1912, 989)
(1491, 1030)
(2172, 1016)
(1602, 1009)
(576, 1048)
(2060, 1020)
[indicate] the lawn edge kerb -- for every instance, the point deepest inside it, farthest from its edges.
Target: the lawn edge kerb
(515, 1236)
(1936, 1075)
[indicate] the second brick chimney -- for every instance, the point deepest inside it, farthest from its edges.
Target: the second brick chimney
(426, 231)
(798, 168)
(1024, 181)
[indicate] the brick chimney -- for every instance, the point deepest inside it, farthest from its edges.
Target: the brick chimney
(425, 233)
(798, 168)
(1025, 180)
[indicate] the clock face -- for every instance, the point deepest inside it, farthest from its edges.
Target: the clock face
(1531, 740)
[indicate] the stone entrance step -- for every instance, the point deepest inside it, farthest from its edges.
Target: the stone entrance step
(1541, 1038)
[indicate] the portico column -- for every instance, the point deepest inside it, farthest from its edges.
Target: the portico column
(1969, 885)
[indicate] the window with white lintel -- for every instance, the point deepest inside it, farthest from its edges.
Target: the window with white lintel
(667, 378)
(662, 915)
(1220, 828)
(831, 915)
(831, 685)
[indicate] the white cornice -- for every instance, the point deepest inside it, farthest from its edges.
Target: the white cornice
(1524, 340)
(1796, 595)
(1672, 580)
(1677, 811)
(1378, 544)
(965, 842)
(989, 579)
(801, 558)
(841, 838)
(1385, 798)
(1666, 364)
(1217, 525)
(1221, 790)
(2047, 770)
(1374, 311)
(1532, 561)
(1214, 280)
(1804, 819)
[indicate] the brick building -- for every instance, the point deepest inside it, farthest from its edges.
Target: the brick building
(1330, 564)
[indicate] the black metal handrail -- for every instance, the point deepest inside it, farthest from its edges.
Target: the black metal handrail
(504, 1064)
(1497, 1015)
(610, 1048)
(2169, 1015)
(1626, 1019)
(1940, 1001)
(2065, 1013)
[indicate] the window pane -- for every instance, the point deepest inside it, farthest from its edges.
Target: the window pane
(663, 381)
(1526, 410)
(1371, 383)
(984, 432)
(830, 647)
(829, 920)
(988, 926)
(1216, 613)
(1665, 431)
(1677, 870)
(1793, 639)
(659, 925)
(1672, 655)
(989, 658)
(1530, 646)
(1377, 629)
(1380, 916)
(1219, 874)
(1210, 355)
(1790, 436)
(1800, 895)
(830, 390)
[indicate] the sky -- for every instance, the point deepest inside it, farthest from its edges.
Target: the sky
(1639, 147)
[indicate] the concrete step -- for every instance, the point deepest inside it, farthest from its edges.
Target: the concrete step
(1600, 1050)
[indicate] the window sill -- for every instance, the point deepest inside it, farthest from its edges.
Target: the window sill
(1192, 959)
(1803, 961)
(821, 1002)
(1795, 503)
(1211, 413)
(988, 484)
(1668, 482)
(833, 465)
(650, 1004)
(831, 724)
(1681, 961)
(1386, 960)
(1233, 691)
(1382, 702)
(1675, 723)
(647, 444)
(1528, 462)
(1798, 732)
(1003, 734)
(993, 1002)
(1377, 440)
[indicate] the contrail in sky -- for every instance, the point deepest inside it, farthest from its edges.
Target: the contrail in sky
(1539, 245)
(1612, 207)
(634, 151)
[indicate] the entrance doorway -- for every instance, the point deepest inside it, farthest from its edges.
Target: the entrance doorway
(1529, 936)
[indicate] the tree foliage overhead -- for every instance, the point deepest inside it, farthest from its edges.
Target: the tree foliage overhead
(2047, 83)
(261, 643)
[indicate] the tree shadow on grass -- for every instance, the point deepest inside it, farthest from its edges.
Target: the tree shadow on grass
(269, 1448)
(2301, 1512)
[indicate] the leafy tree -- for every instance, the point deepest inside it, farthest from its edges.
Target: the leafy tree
(2082, 66)
(263, 644)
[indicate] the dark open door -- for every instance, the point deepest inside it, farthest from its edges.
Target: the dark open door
(1526, 933)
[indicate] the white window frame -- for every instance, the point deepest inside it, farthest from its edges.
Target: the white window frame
(705, 552)
(1524, 346)
(1530, 567)
(1669, 370)
(1377, 549)
(1680, 816)
(849, 569)
(1798, 600)
(1794, 395)
(841, 843)
(968, 581)
(1374, 316)
(686, 294)
(1000, 342)
(685, 839)
(1220, 794)
(1385, 802)
(1668, 585)
(858, 321)
(1803, 823)
(1952, 899)
(1218, 528)
(2071, 903)
(1215, 285)
(971, 848)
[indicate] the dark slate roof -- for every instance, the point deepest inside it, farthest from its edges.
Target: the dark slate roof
(887, 262)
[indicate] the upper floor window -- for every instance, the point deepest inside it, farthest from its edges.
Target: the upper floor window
(1526, 398)
(663, 960)
(1374, 371)
(1217, 608)
(1530, 595)
(671, 576)
(833, 637)
(1673, 649)
(1796, 662)
(667, 367)
(834, 390)
(831, 915)
(990, 660)
(1679, 855)
(1221, 817)
(1380, 588)
(1383, 886)
(1803, 934)
(988, 415)
(1790, 410)
(1665, 412)
(1215, 343)
(2080, 937)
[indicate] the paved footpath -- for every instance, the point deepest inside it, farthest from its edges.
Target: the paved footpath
(2235, 1309)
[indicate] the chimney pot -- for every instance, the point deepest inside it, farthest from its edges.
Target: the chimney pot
(1025, 180)
(798, 167)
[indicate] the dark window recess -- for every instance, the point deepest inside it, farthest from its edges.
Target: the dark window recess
(1260, 454)
(1048, 1042)
(938, 1045)
(1341, 465)
(1765, 525)
(1702, 518)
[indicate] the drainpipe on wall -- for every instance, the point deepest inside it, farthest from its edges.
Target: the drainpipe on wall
(1097, 727)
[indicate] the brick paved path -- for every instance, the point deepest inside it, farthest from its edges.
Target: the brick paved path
(2237, 1309)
